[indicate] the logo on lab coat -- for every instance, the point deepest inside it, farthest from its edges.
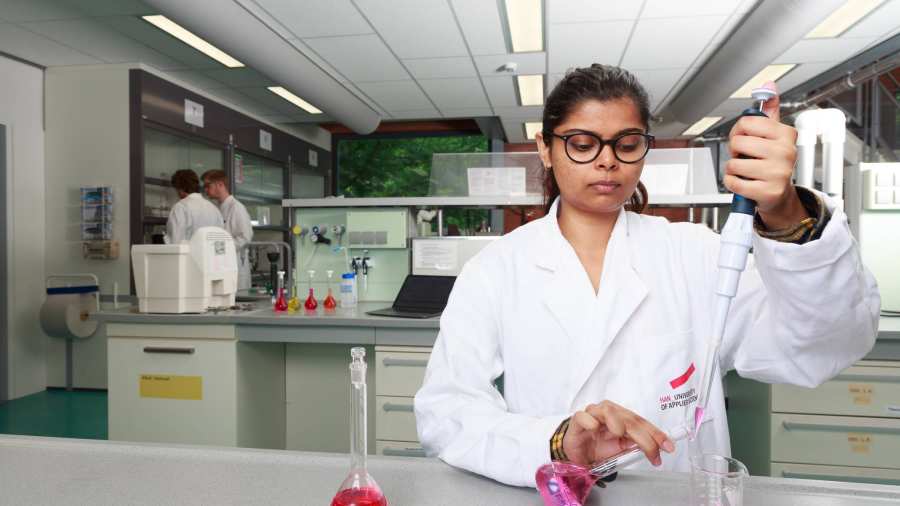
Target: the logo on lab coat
(687, 397)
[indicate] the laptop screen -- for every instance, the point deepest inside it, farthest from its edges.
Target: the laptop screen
(427, 293)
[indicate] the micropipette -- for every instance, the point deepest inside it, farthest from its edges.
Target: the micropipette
(736, 240)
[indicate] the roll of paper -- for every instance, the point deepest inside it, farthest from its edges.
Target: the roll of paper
(66, 316)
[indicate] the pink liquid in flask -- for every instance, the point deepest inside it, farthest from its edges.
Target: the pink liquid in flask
(359, 497)
(564, 483)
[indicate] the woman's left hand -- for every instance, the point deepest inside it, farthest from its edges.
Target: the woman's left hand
(765, 176)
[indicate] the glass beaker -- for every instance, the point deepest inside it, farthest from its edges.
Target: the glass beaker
(717, 480)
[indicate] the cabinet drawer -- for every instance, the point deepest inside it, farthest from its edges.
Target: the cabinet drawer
(399, 449)
(203, 410)
(836, 473)
(399, 373)
(395, 419)
(858, 391)
(836, 440)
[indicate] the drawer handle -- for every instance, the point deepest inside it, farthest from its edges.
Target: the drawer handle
(404, 452)
(390, 406)
(882, 378)
(404, 362)
(839, 477)
(839, 428)
(168, 349)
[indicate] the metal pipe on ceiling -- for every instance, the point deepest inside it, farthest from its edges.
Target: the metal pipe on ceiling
(849, 82)
(762, 36)
(230, 27)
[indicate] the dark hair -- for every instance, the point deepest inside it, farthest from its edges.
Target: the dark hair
(215, 176)
(186, 180)
(597, 82)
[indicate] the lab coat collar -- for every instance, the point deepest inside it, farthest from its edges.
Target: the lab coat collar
(590, 320)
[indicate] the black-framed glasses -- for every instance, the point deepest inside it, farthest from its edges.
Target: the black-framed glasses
(585, 147)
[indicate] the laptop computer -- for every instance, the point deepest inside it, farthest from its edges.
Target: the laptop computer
(420, 297)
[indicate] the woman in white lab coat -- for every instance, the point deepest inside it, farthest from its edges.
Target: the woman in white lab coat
(597, 317)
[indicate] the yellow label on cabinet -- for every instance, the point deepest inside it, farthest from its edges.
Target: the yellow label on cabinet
(165, 386)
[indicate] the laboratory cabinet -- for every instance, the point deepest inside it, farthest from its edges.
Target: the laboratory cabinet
(846, 429)
(399, 373)
(194, 385)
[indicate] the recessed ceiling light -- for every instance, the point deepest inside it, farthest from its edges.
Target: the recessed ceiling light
(294, 99)
(179, 32)
(843, 18)
(525, 19)
(532, 127)
(770, 73)
(531, 89)
(702, 125)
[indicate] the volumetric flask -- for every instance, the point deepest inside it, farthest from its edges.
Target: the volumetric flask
(717, 481)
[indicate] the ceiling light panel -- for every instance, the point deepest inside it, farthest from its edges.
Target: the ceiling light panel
(526, 22)
(179, 32)
(702, 125)
(531, 89)
(294, 99)
(770, 73)
(531, 128)
(843, 18)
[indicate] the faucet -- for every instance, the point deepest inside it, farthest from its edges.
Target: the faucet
(366, 264)
(286, 258)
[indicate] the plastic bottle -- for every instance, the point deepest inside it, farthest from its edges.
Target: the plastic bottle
(349, 295)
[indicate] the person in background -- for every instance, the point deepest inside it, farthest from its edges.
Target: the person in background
(598, 317)
(192, 211)
(237, 220)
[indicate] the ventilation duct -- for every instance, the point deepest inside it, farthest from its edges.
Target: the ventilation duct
(772, 28)
(232, 29)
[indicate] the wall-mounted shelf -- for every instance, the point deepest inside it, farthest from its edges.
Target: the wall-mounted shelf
(705, 200)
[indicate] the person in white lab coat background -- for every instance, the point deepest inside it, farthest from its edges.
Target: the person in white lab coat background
(237, 220)
(597, 316)
(192, 211)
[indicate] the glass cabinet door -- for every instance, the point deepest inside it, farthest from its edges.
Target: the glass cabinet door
(259, 185)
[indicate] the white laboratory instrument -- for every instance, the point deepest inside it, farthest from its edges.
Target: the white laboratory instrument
(830, 125)
(876, 228)
(189, 277)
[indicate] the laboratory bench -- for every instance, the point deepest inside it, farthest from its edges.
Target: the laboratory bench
(37, 471)
(281, 381)
(268, 380)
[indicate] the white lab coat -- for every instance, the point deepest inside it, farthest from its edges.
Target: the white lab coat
(525, 308)
(237, 223)
(189, 214)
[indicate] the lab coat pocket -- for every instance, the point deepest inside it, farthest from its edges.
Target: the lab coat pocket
(673, 377)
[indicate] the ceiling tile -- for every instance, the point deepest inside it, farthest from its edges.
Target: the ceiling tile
(658, 83)
(467, 113)
(438, 68)
(111, 7)
(317, 19)
(802, 73)
(359, 57)
(396, 95)
(416, 114)
(458, 93)
(529, 113)
(823, 50)
(588, 11)
(240, 77)
(670, 42)
(688, 8)
(579, 45)
(318, 60)
(96, 39)
(416, 28)
(528, 63)
(37, 10)
(882, 20)
(160, 41)
(553, 80)
(501, 91)
(38, 49)
(481, 25)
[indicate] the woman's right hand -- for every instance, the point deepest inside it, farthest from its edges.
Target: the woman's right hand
(605, 429)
